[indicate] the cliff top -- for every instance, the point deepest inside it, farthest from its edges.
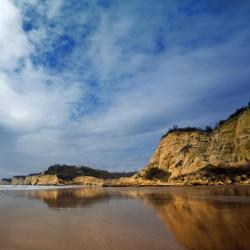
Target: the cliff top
(208, 129)
(71, 171)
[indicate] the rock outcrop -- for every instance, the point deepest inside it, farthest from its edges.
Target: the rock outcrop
(42, 180)
(17, 180)
(5, 181)
(68, 175)
(182, 153)
(88, 180)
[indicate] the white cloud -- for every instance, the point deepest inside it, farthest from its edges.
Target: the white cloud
(33, 104)
(137, 94)
(54, 8)
(174, 82)
(27, 102)
(14, 44)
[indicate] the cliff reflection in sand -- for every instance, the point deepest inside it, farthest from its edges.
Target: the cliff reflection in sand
(70, 198)
(200, 218)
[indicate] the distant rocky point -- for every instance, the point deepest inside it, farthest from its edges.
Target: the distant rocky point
(67, 175)
(184, 156)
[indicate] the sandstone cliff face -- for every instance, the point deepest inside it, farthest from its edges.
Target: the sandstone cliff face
(42, 180)
(55, 180)
(17, 180)
(88, 180)
(5, 181)
(183, 153)
(35, 180)
(68, 175)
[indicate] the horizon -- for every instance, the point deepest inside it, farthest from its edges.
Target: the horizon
(100, 87)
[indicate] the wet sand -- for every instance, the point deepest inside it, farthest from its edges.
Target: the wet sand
(126, 218)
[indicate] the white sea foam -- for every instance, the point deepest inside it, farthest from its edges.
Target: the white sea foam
(30, 187)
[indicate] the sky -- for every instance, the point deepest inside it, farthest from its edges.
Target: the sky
(98, 82)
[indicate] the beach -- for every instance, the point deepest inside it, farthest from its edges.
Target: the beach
(124, 218)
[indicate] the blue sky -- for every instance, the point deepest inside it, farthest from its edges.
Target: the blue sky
(98, 82)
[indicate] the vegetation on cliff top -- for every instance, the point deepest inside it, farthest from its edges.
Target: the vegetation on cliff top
(208, 129)
(69, 172)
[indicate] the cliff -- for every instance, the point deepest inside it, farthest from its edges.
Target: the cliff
(68, 175)
(184, 156)
(5, 181)
(204, 156)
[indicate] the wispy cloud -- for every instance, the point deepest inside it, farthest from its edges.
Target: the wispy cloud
(98, 82)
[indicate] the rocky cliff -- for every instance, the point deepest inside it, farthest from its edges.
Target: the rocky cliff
(68, 175)
(184, 155)
(39, 179)
(5, 181)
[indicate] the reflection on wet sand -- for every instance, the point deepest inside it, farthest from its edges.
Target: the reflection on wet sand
(69, 198)
(86, 218)
(200, 218)
(207, 225)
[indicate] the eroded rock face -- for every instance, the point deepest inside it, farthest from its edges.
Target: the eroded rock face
(33, 180)
(5, 181)
(42, 180)
(183, 153)
(88, 180)
(17, 180)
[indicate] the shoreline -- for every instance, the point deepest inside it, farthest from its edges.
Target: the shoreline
(44, 187)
